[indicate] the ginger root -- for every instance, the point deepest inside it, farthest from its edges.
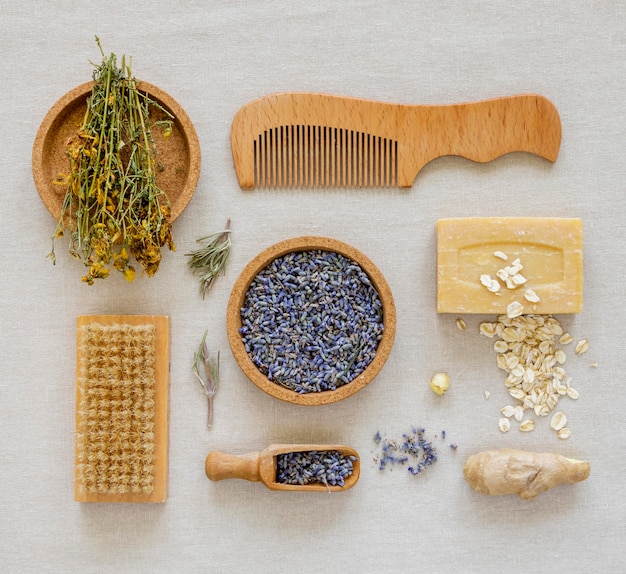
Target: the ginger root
(512, 471)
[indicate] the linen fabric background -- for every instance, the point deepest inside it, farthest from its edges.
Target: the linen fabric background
(214, 57)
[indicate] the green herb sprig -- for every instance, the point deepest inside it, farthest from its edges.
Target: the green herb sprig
(113, 207)
(210, 259)
(207, 371)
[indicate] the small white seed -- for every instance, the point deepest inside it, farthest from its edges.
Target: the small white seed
(492, 285)
(461, 324)
(514, 309)
(501, 362)
(565, 339)
(531, 296)
(504, 424)
(518, 371)
(518, 413)
(440, 383)
(501, 255)
(518, 279)
(529, 376)
(564, 433)
(581, 347)
(515, 267)
(527, 426)
(503, 274)
(511, 361)
(500, 347)
(572, 393)
(559, 420)
(487, 330)
(507, 411)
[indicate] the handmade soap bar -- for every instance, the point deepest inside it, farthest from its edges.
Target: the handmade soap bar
(489, 264)
(122, 387)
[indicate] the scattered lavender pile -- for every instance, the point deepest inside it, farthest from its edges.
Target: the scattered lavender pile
(311, 321)
(326, 467)
(413, 449)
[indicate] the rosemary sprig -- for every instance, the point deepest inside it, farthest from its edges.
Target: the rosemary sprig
(207, 371)
(113, 207)
(210, 259)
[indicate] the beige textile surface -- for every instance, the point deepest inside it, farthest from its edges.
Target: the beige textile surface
(213, 57)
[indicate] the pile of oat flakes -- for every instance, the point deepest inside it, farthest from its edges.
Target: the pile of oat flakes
(527, 351)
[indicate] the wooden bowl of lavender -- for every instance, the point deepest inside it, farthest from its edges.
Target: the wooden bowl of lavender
(311, 320)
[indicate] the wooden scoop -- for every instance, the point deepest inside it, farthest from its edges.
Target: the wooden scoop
(261, 466)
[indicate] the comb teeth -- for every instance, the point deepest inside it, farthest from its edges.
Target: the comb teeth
(319, 156)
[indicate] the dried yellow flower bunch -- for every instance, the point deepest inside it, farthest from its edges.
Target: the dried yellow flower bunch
(113, 207)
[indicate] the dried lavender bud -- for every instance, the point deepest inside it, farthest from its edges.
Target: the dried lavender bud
(330, 468)
(414, 447)
(311, 321)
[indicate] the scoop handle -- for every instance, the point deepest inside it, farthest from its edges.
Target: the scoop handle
(220, 466)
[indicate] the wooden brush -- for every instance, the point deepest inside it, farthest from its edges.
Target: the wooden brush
(122, 375)
(318, 140)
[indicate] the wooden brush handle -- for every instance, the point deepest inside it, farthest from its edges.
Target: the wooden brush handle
(221, 466)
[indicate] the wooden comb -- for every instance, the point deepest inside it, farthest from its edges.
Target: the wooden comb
(318, 140)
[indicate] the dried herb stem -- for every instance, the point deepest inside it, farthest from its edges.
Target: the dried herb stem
(207, 371)
(210, 259)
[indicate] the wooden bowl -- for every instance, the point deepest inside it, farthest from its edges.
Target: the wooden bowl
(237, 300)
(179, 154)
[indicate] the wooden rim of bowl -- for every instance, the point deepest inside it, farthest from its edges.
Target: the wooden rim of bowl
(237, 299)
(179, 154)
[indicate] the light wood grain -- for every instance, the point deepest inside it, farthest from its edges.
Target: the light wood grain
(311, 140)
(261, 466)
(161, 398)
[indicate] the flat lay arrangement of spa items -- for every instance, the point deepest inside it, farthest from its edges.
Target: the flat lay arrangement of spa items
(310, 320)
(294, 467)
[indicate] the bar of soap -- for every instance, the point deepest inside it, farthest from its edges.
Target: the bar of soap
(489, 264)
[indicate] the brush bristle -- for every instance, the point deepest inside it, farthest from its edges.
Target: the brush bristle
(115, 433)
(318, 156)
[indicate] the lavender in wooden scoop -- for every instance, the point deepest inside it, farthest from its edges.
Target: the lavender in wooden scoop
(305, 467)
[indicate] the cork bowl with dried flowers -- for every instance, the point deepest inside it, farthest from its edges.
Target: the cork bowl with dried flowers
(115, 161)
(311, 320)
(179, 154)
